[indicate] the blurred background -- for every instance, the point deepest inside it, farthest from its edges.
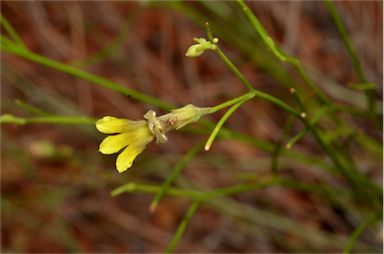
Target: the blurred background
(55, 186)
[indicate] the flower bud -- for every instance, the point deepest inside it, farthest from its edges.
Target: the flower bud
(198, 49)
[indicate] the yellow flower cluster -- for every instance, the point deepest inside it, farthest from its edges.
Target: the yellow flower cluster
(134, 136)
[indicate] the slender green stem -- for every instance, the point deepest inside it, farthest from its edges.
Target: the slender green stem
(262, 32)
(62, 120)
(5, 40)
(314, 121)
(229, 63)
(193, 194)
(259, 94)
(277, 150)
(182, 226)
(175, 172)
(240, 188)
(295, 138)
(226, 60)
(148, 188)
(355, 177)
(231, 102)
(352, 54)
(84, 75)
(277, 102)
(357, 232)
(31, 109)
(7, 118)
(309, 81)
(8, 27)
(206, 196)
(221, 122)
(279, 53)
(298, 101)
(344, 165)
(246, 83)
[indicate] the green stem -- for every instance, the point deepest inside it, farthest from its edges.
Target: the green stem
(313, 121)
(231, 102)
(31, 109)
(279, 53)
(237, 72)
(277, 149)
(148, 188)
(277, 102)
(8, 27)
(220, 124)
(351, 52)
(343, 164)
(240, 188)
(206, 196)
(355, 177)
(62, 120)
(304, 75)
(296, 138)
(226, 60)
(182, 226)
(194, 194)
(357, 232)
(84, 75)
(175, 172)
(8, 118)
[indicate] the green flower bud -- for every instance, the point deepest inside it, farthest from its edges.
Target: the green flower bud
(198, 49)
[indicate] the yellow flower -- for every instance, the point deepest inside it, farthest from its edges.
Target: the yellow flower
(133, 135)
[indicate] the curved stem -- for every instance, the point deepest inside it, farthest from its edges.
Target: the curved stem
(182, 226)
(11, 31)
(21, 52)
(357, 232)
(175, 172)
(352, 54)
(226, 60)
(54, 119)
(279, 53)
(246, 96)
(221, 122)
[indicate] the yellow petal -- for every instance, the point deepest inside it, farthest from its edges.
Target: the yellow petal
(113, 144)
(126, 157)
(110, 125)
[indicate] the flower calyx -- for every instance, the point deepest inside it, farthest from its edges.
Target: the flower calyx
(155, 127)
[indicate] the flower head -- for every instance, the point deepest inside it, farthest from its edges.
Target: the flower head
(201, 46)
(134, 136)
